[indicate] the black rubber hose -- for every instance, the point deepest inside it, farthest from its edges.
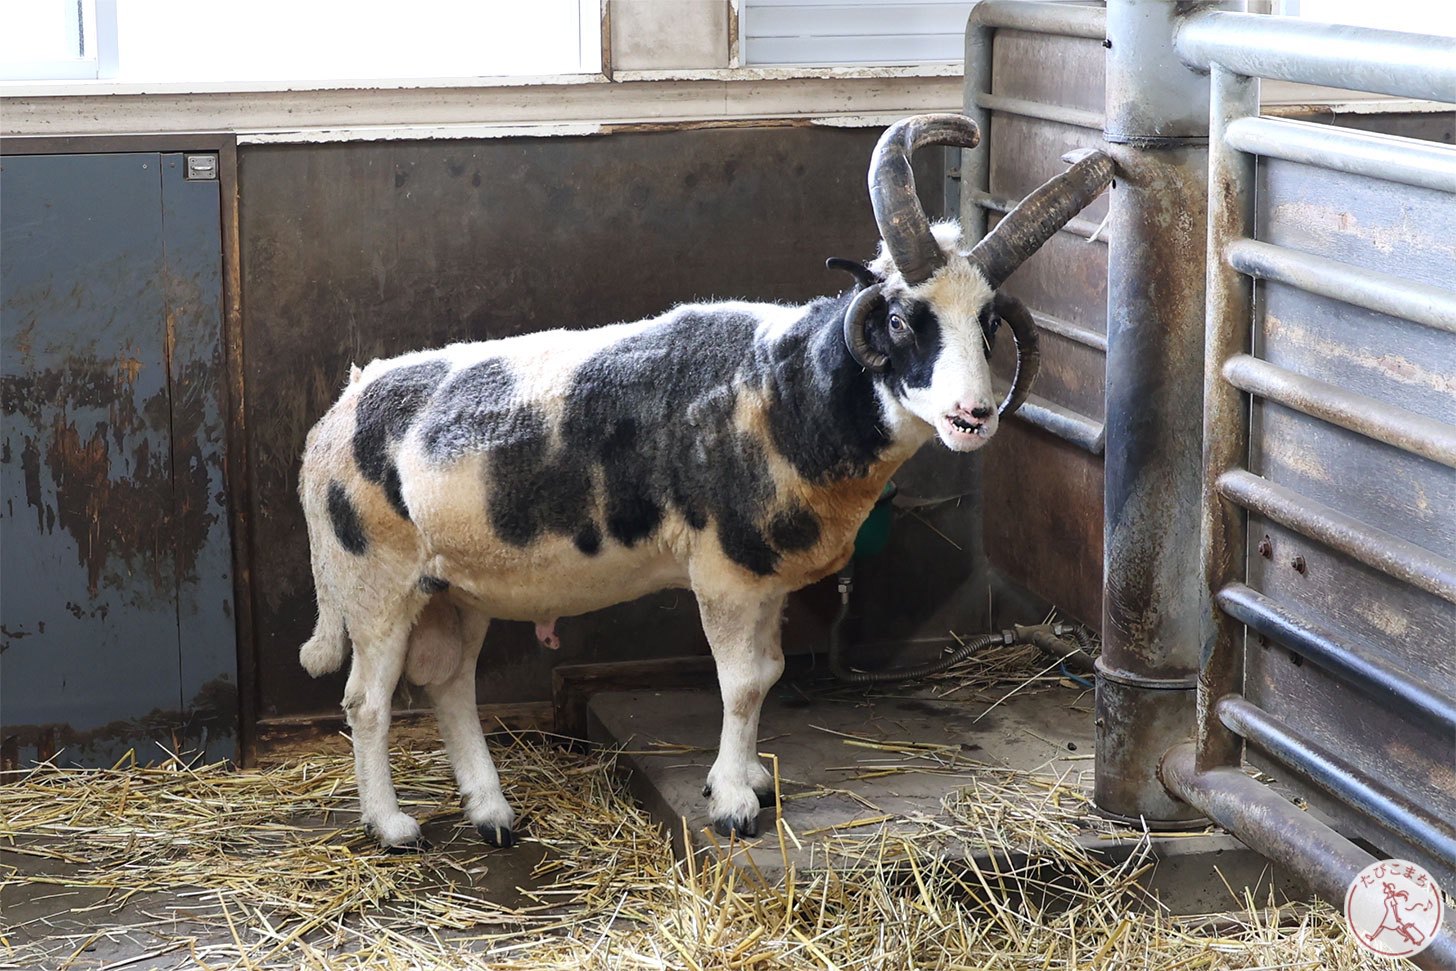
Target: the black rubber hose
(1076, 657)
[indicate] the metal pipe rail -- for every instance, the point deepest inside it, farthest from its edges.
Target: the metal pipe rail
(1223, 525)
(1272, 826)
(1389, 810)
(1061, 114)
(1081, 431)
(1411, 161)
(1147, 686)
(1391, 555)
(1077, 225)
(1372, 676)
(1058, 19)
(1085, 336)
(1353, 58)
(1395, 426)
(1381, 292)
(986, 18)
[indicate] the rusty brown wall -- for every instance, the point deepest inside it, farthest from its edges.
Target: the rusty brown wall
(355, 251)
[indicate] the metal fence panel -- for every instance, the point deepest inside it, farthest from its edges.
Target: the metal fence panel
(1043, 528)
(1329, 511)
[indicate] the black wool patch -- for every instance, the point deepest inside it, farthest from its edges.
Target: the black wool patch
(433, 585)
(476, 411)
(386, 409)
(824, 415)
(345, 520)
(913, 357)
(531, 490)
(394, 491)
(655, 412)
(744, 543)
(589, 539)
(793, 529)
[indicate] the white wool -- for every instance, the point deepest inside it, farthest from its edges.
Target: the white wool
(957, 284)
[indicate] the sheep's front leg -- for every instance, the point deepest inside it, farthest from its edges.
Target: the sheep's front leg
(378, 663)
(744, 634)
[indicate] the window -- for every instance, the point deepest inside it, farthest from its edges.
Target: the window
(280, 42)
(841, 32)
(48, 40)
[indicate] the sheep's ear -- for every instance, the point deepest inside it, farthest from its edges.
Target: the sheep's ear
(354, 373)
(863, 275)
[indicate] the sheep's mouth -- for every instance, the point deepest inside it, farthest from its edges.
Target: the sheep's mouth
(966, 426)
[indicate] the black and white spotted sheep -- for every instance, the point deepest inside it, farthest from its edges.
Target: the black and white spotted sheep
(733, 449)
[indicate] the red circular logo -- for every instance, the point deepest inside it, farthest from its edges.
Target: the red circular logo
(1394, 908)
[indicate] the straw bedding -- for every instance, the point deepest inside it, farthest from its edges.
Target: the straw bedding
(266, 871)
(186, 865)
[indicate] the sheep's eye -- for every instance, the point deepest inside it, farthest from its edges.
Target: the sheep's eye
(897, 324)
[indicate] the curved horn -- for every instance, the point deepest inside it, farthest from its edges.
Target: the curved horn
(1038, 217)
(902, 221)
(1028, 353)
(862, 274)
(860, 308)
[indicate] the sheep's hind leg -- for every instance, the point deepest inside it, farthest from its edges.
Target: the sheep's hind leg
(459, 719)
(378, 663)
(744, 635)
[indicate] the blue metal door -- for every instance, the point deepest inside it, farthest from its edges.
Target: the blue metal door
(116, 627)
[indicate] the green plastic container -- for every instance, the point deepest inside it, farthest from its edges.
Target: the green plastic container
(874, 532)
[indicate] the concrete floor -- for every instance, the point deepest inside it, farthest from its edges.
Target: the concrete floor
(830, 778)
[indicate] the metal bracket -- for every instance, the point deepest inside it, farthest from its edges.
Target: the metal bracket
(201, 168)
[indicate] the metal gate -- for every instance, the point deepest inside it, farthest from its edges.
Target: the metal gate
(1329, 513)
(1315, 620)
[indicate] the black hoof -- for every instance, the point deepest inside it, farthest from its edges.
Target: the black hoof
(707, 792)
(418, 846)
(766, 800)
(744, 828)
(499, 836)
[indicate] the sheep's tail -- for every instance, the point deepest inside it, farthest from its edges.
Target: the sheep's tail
(324, 652)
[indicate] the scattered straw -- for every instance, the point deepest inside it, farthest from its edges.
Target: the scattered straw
(268, 870)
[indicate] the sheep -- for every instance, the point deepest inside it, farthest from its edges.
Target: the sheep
(729, 448)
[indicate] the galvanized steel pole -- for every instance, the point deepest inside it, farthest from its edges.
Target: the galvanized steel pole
(1157, 126)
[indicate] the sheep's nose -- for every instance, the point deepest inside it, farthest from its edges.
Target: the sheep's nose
(982, 412)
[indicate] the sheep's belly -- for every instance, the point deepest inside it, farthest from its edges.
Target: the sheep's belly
(553, 579)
